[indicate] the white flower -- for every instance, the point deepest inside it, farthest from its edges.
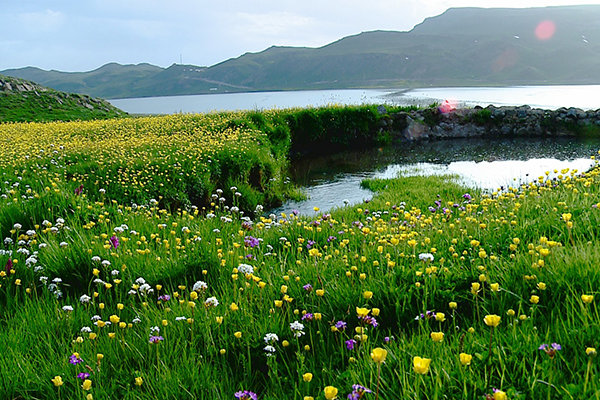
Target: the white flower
(271, 337)
(200, 285)
(44, 279)
(297, 328)
(17, 225)
(84, 299)
(114, 272)
(428, 257)
(105, 263)
(96, 259)
(270, 350)
(30, 232)
(42, 245)
(96, 318)
(180, 318)
(67, 308)
(140, 281)
(57, 280)
(154, 330)
(85, 329)
(245, 269)
(136, 320)
(211, 301)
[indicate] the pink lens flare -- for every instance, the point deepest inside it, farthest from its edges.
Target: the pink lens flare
(545, 30)
(448, 106)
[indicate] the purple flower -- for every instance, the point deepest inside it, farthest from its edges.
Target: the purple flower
(79, 190)
(295, 212)
(432, 209)
(74, 359)
(368, 320)
(350, 344)
(114, 241)
(83, 375)
(247, 225)
(550, 349)
(164, 297)
(310, 244)
(251, 241)
(340, 325)
(388, 339)
(308, 287)
(8, 266)
(156, 339)
(358, 391)
(331, 239)
(308, 317)
(245, 395)
(467, 196)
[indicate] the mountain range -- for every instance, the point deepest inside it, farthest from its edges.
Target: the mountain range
(461, 47)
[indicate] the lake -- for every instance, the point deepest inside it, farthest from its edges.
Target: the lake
(334, 180)
(550, 97)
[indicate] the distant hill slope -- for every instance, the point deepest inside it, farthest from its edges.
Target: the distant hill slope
(25, 101)
(462, 46)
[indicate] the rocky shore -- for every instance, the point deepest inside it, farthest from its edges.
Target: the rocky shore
(491, 121)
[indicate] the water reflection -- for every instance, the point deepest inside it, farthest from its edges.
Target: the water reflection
(330, 181)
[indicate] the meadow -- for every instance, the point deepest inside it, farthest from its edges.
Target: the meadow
(137, 262)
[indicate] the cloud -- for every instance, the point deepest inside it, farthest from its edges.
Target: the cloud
(44, 21)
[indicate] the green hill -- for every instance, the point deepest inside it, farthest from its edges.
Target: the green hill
(25, 101)
(462, 46)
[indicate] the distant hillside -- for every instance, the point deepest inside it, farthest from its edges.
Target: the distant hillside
(462, 46)
(25, 101)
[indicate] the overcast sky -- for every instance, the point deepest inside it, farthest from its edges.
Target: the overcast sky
(81, 35)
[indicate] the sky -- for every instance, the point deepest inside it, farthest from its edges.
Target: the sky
(82, 35)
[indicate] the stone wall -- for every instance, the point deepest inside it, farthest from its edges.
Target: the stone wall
(492, 121)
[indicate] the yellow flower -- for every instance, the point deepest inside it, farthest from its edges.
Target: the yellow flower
(495, 287)
(330, 392)
(452, 305)
(475, 287)
(499, 395)
(320, 292)
(285, 343)
(309, 398)
(437, 337)
(138, 381)
(421, 365)
(362, 312)
(234, 307)
(87, 384)
(587, 298)
(492, 320)
(590, 351)
(307, 377)
(57, 380)
(441, 317)
(375, 312)
(465, 359)
(534, 299)
(378, 355)
(368, 294)
(238, 334)
(99, 356)
(222, 351)
(510, 312)
(278, 303)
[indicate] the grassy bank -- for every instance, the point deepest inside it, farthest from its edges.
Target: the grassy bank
(111, 288)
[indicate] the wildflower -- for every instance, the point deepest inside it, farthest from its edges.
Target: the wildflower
(156, 339)
(245, 395)
(340, 325)
(307, 377)
(199, 286)
(421, 365)
(83, 375)
(237, 334)
(297, 328)
(452, 305)
(74, 359)
(245, 269)
(465, 359)
(550, 349)
(57, 381)
(378, 355)
(437, 337)
(440, 317)
(138, 381)
(211, 302)
(587, 298)
(114, 241)
(368, 294)
(87, 384)
(308, 287)
(492, 320)
(234, 307)
(499, 394)
(358, 391)
(308, 317)
(426, 257)
(271, 338)
(350, 344)
(269, 350)
(590, 351)
(330, 392)
(362, 312)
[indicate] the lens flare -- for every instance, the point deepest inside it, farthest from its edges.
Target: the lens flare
(545, 30)
(448, 106)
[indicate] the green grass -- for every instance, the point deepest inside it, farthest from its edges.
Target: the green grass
(515, 244)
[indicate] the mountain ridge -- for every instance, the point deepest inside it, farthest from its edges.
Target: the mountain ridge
(466, 46)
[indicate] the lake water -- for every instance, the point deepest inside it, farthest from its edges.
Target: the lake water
(334, 180)
(549, 97)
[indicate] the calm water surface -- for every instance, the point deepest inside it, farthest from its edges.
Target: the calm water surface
(549, 97)
(333, 181)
